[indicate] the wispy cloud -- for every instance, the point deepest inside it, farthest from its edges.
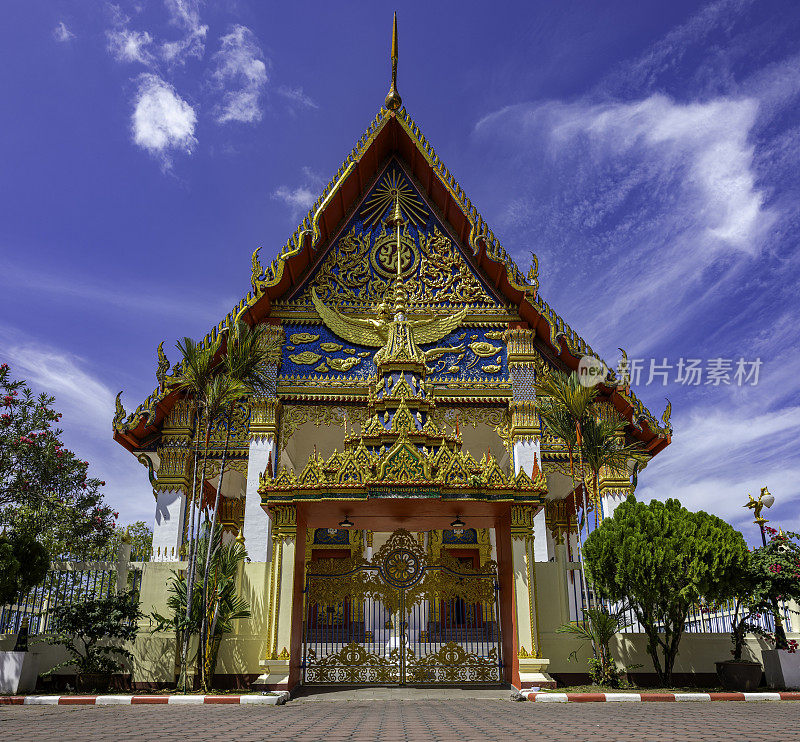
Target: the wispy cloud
(240, 73)
(81, 397)
(661, 203)
(162, 122)
(719, 455)
(150, 300)
(300, 198)
(296, 97)
(131, 46)
(61, 33)
(87, 405)
(185, 14)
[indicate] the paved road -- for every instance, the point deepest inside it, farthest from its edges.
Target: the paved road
(397, 721)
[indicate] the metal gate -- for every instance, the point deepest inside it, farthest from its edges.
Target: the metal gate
(399, 619)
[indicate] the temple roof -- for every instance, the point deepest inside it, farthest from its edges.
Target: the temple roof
(395, 134)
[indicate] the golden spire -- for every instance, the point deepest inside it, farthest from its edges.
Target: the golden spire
(396, 220)
(393, 100)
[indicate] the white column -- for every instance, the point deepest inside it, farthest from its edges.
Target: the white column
(525, 451)
(257, 523)
(611, 502)
(168, 525)
(543, 546)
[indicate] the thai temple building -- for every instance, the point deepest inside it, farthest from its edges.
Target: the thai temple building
(407, 517)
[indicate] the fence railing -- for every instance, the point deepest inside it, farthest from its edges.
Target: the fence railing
(71, 581)
(702, 619)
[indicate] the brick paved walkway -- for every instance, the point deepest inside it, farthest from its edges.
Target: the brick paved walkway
(397, 721)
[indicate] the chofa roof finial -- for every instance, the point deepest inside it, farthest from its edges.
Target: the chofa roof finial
(393, 100)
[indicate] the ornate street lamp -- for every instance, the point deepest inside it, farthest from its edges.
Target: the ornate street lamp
(766, 500)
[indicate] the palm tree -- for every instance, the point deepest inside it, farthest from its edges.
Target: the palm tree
(229, 606)
(196, 372)
(241, 375)
(602, 446)
(599, 627)
(564, 410)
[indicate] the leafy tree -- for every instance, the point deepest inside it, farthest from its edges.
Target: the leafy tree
(45, 493)
(23, 565)
(662, 559)
(92, 632)
(771, 574)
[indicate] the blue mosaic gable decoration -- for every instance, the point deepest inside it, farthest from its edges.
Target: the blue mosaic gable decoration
(358, 273)
(467, 353)
(360, 268)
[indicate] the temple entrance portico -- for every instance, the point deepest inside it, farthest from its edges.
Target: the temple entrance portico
(462, 610)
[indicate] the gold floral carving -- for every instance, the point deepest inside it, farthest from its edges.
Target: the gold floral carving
(443, 276)
(483, 349)
(296, 415)
(352, 665)
(452, 663)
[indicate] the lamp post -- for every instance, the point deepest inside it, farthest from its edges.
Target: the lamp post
(766, 500)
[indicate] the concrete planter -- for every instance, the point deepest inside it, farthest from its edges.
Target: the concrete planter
(739, 675)
(18, 672)
(781, 668)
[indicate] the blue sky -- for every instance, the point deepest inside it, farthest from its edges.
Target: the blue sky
(647, 152)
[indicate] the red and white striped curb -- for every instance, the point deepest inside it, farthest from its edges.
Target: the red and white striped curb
(281, 698)
(638, 697)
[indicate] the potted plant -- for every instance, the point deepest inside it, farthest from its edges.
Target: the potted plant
(92, 632)
(772, 574)
(780, 560)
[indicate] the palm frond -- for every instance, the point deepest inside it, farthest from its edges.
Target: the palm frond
(567, 392)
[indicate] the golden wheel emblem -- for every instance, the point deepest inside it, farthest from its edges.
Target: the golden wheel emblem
(384, 256)
(401, 567)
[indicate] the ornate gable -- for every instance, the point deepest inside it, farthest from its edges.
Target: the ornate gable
(360, 265)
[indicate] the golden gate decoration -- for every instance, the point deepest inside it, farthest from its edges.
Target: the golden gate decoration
(401, 618)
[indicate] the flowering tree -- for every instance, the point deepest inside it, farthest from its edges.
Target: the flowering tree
(772, 574)
(45, 493)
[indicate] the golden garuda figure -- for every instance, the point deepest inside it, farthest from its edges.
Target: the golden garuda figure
(374, 333)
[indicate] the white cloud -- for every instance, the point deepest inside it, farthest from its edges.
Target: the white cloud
(62, 33)
(301, 198)
(185, 14)
(297, 199)
(240, 71)
(131, 46)
(87, 402)
(706, 144)
(297, 97)
(721, 453)
(162, 121)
